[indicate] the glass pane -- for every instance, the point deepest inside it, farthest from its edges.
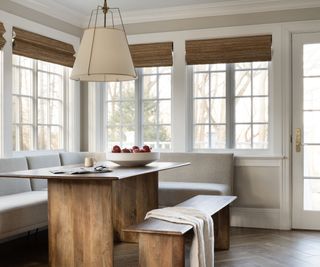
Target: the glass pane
(165, 112)
(260, 109)
(311, 129)
(201, 136)
(55, 112)
(16, 81)
(243, 136)
(243, 65)
(311, 94)
(311, 194)
(243, 109)
(56, 85)
(150, 112)
(260, 136)
(218, 84)
(43, 81)
(201, 68)
(164, 70)
(43, 111)
(311, 161)
(201, 85)
(15, 130)
(128, 136)
(260, 82)
(260, 65)
(152, 70)
(43, 138)
(113, 113)
(26, 79)
(42, 65)
(243, 83)
(218, 136)
(150, 87)
(311, 59)
(26, 62)
(113, 91)
(56, 138)
(165, 86)
(218, 67)
(15, 109)
(26, 138)
(128, 90)
(164, 137)
(113, 137)
(201, 111)
(150, 136)
(218, 111)
(128, 112)
(26, 110)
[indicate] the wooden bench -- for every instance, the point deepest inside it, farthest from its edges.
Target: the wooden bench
(162, 244)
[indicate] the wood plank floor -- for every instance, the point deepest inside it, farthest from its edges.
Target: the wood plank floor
(249, 247)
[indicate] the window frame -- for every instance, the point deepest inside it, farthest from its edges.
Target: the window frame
(35, 97)
(230, 113)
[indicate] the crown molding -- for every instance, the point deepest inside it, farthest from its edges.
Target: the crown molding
(233, 7)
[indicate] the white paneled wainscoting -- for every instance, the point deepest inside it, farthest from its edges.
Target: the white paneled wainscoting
(263, 191)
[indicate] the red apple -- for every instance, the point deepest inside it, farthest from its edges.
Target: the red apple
(125, 150)
(135, 147)
(146, 148)
(116, 149)
(136, 150)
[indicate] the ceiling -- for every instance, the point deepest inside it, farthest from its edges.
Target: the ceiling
(77, 12)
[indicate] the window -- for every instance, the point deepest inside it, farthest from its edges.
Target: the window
(230, 106)
(38, 104)
(121, 114)
(139, 112)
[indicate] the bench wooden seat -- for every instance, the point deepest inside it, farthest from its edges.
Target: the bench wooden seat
(162, 243)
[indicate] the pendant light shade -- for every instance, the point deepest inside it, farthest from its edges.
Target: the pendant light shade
(104, 55)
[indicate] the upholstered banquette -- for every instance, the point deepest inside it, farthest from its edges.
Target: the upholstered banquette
(208, 174)
(23, 203)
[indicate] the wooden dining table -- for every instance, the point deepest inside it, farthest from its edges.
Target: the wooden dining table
(87, 212)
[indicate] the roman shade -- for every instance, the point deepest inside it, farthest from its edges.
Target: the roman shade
(2, 40)
(152, 55)
(229, 50)
(39, 47)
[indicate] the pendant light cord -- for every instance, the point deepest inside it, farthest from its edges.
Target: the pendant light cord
(105, 9)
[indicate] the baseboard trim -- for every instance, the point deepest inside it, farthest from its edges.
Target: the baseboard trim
(255, 218)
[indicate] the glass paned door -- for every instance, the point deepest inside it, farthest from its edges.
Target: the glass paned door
(306, 130)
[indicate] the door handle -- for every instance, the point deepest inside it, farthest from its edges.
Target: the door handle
(298, 140)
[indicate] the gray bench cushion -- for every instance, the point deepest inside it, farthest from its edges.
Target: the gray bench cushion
(38, 162)
(173, 193)
(22, 212)
(10, 185)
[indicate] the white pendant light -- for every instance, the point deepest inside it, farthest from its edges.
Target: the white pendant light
(104, 54)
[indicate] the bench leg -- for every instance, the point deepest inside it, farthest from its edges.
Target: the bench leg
(156, 250)
(222, 229)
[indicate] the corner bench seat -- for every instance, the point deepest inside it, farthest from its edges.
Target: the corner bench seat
(176, 192)
(23, 212)
(162, 243)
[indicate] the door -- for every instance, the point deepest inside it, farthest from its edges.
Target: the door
(306, 131)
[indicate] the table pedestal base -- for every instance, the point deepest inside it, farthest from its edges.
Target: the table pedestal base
(80, 223)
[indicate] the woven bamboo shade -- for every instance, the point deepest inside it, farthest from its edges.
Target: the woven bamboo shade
(39, 47)
(152, 55)
(2, 40)
(229, 50)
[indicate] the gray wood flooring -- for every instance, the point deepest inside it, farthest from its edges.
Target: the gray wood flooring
(249, 248)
